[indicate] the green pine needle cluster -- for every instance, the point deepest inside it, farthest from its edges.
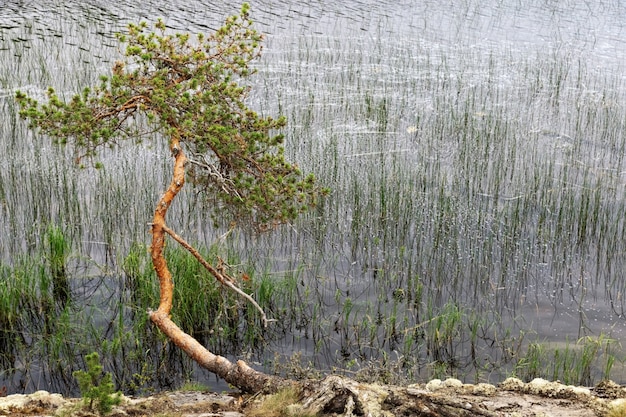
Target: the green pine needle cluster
(96, 387)
(189, 88)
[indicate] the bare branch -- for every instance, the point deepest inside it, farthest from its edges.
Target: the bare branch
(221, 276)
(214, 174)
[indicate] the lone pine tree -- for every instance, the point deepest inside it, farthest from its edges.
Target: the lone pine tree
(190, 91)
(189, 88)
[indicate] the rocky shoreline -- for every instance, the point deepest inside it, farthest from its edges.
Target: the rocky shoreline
(512, 398)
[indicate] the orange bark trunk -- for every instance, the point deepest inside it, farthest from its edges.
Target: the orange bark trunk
(158, 234)
(240, 374)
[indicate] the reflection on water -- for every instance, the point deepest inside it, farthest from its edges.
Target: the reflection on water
(500, 126)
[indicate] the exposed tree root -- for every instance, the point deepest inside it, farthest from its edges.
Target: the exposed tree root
(348, 398)
(341, 395)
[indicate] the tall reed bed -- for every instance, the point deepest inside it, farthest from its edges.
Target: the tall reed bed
(479, 179)
(477, 208)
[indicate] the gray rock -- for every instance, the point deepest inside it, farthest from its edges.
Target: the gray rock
(182, 398)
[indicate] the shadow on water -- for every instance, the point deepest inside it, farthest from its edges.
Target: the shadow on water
(475, 229)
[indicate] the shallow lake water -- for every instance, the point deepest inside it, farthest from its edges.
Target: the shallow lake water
(475, 151)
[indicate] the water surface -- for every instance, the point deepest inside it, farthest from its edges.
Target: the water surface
(475, 152)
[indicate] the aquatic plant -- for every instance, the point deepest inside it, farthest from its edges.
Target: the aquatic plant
(58, 248)
(579, 363)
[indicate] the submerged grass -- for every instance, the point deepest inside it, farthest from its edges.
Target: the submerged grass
(583, 362)
(58, 248)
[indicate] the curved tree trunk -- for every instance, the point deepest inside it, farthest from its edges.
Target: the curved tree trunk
(237, 374)
(333, 394)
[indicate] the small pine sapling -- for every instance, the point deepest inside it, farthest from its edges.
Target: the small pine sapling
(96, 387)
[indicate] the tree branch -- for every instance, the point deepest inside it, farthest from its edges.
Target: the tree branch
(226, 184)
(223, 278)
